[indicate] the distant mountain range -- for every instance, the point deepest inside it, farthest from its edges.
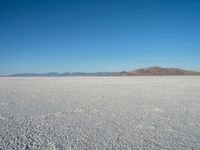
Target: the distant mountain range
(151, 71)
(55, 74)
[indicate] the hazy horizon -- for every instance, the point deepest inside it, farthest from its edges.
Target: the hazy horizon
(97, 36)
(98, 73)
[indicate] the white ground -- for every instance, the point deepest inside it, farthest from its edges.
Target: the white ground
(100, 113)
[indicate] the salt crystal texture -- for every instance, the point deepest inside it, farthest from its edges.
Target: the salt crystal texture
(100, 113)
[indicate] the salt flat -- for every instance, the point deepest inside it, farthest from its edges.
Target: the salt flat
(100, 113)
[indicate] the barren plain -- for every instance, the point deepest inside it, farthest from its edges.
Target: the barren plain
(100, 113)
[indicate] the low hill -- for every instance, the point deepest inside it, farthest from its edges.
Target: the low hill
(159, 71)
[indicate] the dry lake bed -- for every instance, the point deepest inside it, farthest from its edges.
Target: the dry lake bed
(100, 113)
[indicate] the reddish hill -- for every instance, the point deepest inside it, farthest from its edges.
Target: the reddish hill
(159, 71)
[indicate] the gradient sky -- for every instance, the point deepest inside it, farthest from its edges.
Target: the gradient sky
(98, 35)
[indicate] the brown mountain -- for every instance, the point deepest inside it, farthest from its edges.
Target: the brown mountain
(159, 71)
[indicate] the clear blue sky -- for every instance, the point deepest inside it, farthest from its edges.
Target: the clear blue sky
(98, 35)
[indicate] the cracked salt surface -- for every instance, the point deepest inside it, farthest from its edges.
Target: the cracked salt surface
(100, 113)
